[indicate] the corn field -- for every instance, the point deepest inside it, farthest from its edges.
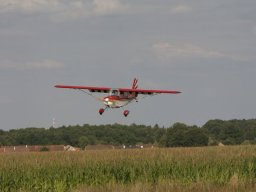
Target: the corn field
(175, 169)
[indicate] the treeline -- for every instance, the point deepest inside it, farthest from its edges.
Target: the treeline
(231, 132)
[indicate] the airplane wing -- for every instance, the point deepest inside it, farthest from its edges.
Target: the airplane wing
(91, 89)
(149, 91)
(107, 90)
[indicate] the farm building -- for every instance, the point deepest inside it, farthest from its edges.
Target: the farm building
(37, 148)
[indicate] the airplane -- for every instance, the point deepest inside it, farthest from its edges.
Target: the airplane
(119, 97)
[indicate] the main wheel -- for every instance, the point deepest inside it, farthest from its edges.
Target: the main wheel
(101, 111)
(126, 113)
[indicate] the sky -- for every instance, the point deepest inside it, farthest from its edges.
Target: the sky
(205, 49)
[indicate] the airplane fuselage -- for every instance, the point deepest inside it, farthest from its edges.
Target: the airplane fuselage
(117, 99)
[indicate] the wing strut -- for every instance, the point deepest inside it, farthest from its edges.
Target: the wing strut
(90, 94)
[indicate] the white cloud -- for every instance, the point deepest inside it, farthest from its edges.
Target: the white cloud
(43, 64)
(60, 10)
(181, 9)
(101, 7)
(28, 5)
(165, 51)
(82, 9)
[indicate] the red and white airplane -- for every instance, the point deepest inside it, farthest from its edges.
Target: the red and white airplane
(119, 97)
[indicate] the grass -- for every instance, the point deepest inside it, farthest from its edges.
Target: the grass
(229, 168)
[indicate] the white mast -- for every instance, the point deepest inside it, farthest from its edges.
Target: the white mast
(53, 122)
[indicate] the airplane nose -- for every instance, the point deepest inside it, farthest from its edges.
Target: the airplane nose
(106, 101)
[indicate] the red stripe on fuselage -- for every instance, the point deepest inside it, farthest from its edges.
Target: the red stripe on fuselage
(118, 98)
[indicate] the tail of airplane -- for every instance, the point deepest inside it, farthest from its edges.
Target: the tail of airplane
(135, 83)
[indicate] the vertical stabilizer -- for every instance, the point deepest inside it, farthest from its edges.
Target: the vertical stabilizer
(135, 83)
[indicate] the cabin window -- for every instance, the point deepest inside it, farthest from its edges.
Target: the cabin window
(114, 92)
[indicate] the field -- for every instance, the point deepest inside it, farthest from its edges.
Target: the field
(229, 168)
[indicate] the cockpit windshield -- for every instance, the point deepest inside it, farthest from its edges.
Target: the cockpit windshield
(114, 92)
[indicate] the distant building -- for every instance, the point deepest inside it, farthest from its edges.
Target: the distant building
(37, 148)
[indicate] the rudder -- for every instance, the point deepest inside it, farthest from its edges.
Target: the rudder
(135, 83)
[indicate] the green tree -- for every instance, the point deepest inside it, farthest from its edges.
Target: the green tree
(83, 142)
(195, 137)
(175, 135)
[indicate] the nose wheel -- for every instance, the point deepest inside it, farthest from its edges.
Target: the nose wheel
(101, 111)
(126, 113)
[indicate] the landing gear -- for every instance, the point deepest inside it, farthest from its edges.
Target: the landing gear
(101, 111)
(126, 113)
